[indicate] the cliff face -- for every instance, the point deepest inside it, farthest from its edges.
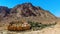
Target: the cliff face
(26, 11)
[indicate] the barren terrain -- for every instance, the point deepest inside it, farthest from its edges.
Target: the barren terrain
(48, 30)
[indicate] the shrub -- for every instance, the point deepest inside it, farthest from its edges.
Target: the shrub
(18, 26)
(37, 26)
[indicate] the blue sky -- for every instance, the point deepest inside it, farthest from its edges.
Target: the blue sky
(52, 5)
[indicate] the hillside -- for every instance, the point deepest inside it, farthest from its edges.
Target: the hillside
(27, 12)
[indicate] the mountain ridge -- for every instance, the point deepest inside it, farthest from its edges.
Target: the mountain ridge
(26, 11)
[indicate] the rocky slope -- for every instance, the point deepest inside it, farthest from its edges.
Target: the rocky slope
(26, 11)
(4, 11)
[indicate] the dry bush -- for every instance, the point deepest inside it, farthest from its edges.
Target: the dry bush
(17, 26)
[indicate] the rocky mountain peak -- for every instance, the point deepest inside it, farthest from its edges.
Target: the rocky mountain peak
(26, 11)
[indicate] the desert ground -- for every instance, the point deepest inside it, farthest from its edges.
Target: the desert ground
(48, 30)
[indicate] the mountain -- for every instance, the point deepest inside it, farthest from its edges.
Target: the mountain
(4, 11)
(27, 9)
(27, 12)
